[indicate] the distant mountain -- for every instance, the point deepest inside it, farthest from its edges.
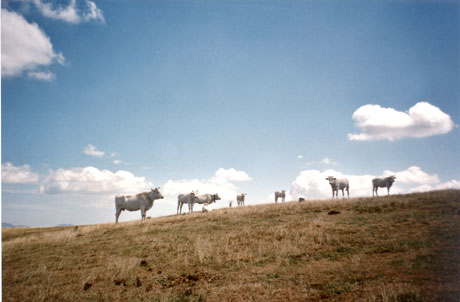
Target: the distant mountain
(65, 224)
(10, 225)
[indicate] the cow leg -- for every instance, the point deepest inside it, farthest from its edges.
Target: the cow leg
(142, 214)
(117, 214)
(376, 191)
(388, 193)
(179, 207)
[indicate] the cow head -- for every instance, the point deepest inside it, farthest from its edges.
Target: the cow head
(216, 197)
(330, 179)
(392, 178)
(156, 193)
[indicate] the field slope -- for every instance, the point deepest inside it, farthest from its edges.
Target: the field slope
(397, 248)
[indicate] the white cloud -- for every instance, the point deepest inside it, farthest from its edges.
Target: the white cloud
(328, 161)
(41, 75)
(93, 13)
(231, 175)
(70, 13)
(220, 183)
(18, 174)
(452, 184)
(93, 151)
(312, 184)
(413, 175)
(300, 156)
(24, 46)
(324, 161)
(117, 161)
(67, 14)
(90, 180)
(421, 120)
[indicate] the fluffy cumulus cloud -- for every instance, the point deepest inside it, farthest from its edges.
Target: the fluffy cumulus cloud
(413, 175)
(91, 180)
(379, 123)
(18, 174)
(312, 184)
(93, 12)
(220, 183)
(451, 184)
(25, 47)
(224, 175)
(70, 13)
(93, 151)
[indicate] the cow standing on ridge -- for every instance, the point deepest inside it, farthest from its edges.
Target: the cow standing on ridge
(205, 199)
(338, 184)
(142, 201)
(382, 183)
(281, 195)
(185, 198)
(240, 199)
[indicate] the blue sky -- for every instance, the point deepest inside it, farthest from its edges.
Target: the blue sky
(231, 96)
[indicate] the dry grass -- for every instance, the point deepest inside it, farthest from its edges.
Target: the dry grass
(400, 248)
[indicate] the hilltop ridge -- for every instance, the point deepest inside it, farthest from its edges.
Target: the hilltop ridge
(396, 248)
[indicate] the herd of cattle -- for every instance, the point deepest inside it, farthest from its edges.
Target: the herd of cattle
(144, 201)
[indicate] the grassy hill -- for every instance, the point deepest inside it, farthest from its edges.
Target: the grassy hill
(399, 248)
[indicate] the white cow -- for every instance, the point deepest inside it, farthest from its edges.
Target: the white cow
(205, 199)
(382, 183)
(339, 184)
(142, 201)
(281, 195)
(240, 199)
(185, 198)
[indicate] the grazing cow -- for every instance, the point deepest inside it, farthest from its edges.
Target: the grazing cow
(281, 195)
(205, 199)
(338, 184)
(230, 203)
(240, 199)
(142, 201)
(185, 198)
(301, 199)
(382, 183)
